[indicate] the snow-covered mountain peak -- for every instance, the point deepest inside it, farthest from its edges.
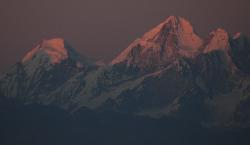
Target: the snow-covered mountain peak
(57, 50)
(173, 37)
(54, 48)
(174, 26)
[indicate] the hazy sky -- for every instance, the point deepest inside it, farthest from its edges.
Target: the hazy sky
(102, 28)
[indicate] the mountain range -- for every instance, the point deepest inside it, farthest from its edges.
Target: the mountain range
(170, 71)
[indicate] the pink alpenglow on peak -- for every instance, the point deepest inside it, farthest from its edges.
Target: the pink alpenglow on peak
(174, 36)
(218, 40)
(180, 28)
(54, 48)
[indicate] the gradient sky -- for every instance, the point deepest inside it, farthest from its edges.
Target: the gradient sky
(102, 28)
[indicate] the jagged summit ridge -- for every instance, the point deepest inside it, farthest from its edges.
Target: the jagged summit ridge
(172, 38)
(176, 26)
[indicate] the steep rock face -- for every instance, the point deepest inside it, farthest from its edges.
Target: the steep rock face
(12, 84)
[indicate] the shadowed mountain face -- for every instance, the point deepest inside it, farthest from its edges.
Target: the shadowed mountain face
(240, 52)
(168, 72)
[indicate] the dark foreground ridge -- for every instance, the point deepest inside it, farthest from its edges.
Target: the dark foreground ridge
(38, 125)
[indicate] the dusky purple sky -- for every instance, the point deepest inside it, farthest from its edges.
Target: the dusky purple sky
(102, 28)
